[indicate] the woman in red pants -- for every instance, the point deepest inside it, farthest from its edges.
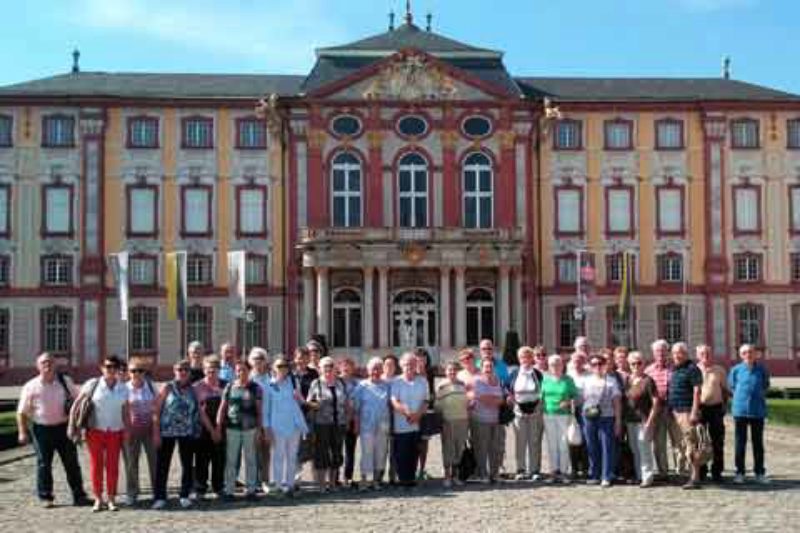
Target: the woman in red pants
(107, 429)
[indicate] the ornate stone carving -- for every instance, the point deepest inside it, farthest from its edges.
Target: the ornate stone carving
(268, 109)
(411, 78)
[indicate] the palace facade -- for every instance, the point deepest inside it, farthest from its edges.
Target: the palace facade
(409, 190)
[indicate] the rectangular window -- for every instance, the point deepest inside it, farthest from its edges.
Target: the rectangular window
(569, 327)
(251, 220)
(569, 211)
(199, 269)
(747, 268)
(619, 210)
(57, 212)
(566, 269)
(6, 131)
(251, 133)
(256, 269)
(56, 271)
(670, 322)
(5, 333)
(5, 270)
(5, 210)
(670, 268)
(196, 203)
(143, 132)
(669, 208)
(618, 134)
(199, 322)
(56, 330)
(144, 330)
(346, 326)
(142, 211)
(568, 135)
(793, 133)
(794, 208)
(750, 324)
(58, 131)
(614, 268)
(255, 330)
(795, 267)
(747, 209)
(621, 328)
(744, 133)
(198, 132)
(669, 134)
(143, 271)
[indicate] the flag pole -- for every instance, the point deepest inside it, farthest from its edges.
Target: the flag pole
(684, 291)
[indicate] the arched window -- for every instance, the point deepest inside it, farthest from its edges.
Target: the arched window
(414, 319)
(480, 316)
(413, 191)
(477, 191)
(346, 181)
(346, 319)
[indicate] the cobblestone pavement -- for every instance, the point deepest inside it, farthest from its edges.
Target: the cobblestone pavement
(508, 507)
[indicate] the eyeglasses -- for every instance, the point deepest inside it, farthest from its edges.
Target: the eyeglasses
(258, 359)
(635, 363)
(597, 363)
(111, 367)
(282, 366)
(181, 369)
(137, 370)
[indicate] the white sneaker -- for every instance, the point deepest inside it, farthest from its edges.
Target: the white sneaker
(762, 480)
(738, 479)
(159, 504)
(265, 487)
(185, 503)
(536, 477)
(605, 484)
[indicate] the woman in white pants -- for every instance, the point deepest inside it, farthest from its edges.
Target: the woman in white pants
(285, 424)
(371, 402)
(643, 399)
(558, 394)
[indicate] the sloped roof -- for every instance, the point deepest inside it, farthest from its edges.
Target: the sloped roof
(647, 89)
(409, 36)
(149, 85)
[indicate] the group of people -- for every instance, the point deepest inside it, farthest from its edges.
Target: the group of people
(603, 416)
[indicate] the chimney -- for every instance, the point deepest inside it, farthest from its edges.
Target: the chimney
(726, 67)
(429, 18)
(409, 15)
(391, 20)
(76, 56)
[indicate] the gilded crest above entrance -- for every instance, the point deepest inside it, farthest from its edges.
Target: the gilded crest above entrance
(411, 78)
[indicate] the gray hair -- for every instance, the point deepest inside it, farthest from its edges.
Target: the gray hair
(374, 362)
(580, 340)
(327, 360)
(257, 352)
(407, 357)
(195, 345)
(555, 359)
(744, 347)
(681, 347)
(635, 356)
(660, 343)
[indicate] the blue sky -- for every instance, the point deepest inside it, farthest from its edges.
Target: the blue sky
(540, 37)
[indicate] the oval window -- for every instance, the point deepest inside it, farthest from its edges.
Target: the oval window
(477, 127)
(346, 125)
(412, 126)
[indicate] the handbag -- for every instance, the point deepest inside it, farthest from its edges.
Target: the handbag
(574, 435)
(431, 423)
(84, 410)
(468, 464)
(506, 414)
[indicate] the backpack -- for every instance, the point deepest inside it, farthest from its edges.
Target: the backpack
(68, 399)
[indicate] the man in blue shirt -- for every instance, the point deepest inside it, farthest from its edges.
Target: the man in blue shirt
(227, 353)
(749, 381)
(500, 367)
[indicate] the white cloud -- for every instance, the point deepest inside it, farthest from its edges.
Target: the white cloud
(716, 5)
(280, 35)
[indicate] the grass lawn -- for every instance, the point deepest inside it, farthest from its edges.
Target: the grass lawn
(784, 411)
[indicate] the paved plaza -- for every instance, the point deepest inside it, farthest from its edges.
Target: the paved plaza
(509, 507)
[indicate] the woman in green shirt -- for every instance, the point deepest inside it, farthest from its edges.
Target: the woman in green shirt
(558, 393)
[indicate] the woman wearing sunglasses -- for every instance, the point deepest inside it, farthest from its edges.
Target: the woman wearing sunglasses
(108, 425)
(141, 399)
(602, 412)
(176, 422)
(642, 397)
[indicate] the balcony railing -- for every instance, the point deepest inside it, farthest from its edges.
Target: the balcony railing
(428, 235)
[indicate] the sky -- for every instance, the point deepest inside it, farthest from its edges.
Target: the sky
(609, 38)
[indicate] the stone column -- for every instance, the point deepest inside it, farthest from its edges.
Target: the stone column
(323, 301)
(308, 303)
(444, 307)
(516, 295)
(368, 322)
(502, 304)
(383, 307)
(461, 308)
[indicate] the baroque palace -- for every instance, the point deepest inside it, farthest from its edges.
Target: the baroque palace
(409, 190)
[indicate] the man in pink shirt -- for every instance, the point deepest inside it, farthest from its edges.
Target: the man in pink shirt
(660, 371)
(42, 415)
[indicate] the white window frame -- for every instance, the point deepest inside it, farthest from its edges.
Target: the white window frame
(482, 306)
(58, 210)
(620, 215)
(200, 269)
(349, 309)
(201, 225)
(480, 164)
(57, 271)
(144, 329)
(349, 165)
(746, 209)
(670, 210)
(412, 195)
(569, 203)
(252, 203)
(143, 216)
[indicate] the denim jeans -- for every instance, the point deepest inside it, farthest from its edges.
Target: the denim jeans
(756, 426)
(47, 440)
(241, 442)
(600, 443)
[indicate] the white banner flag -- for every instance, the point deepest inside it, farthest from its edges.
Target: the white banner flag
(119, 269)
(237, 269)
